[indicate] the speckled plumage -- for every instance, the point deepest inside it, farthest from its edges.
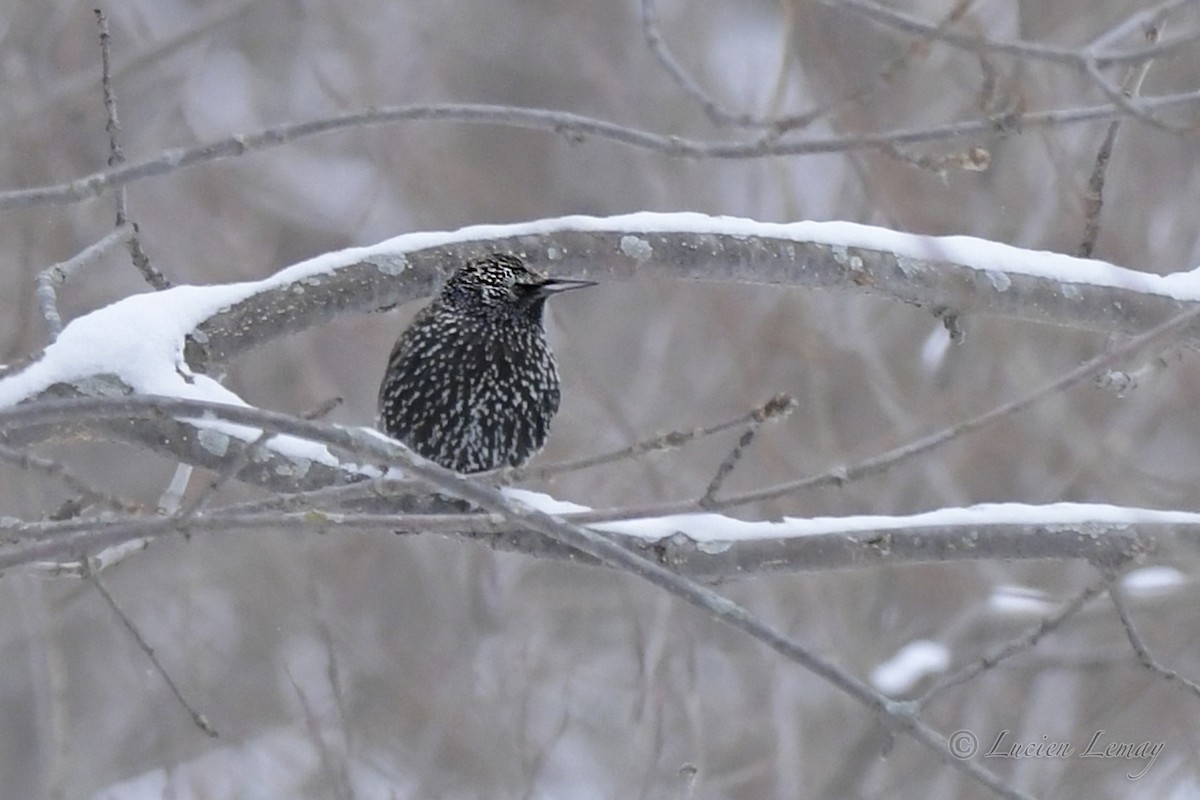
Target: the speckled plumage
(472, 384)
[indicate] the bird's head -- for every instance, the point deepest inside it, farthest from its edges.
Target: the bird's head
(503, 283)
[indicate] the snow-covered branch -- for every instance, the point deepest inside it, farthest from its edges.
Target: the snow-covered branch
(160, 344)
(155, 342)
(701, 544)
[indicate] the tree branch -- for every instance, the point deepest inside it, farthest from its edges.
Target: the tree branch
(575, 128)
(718, 547)
(931, 275)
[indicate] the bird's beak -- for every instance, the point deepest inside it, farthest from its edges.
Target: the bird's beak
(555, 285)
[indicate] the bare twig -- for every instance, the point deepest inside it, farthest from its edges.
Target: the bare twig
(1093, 198)
(1137, 23)
(779, 406)
(57, 471)
(1025, 50)
(1131, 105)
(662, 53)
(1020, 644)
(727, 465)
(58, 274)
(116, 157)
(572, 126)
(197, 718)
(112, 127)
(889, 459)
(1117, 595)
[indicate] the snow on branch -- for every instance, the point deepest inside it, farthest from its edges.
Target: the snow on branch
(162, 345)
(701, 544)
(959, 275)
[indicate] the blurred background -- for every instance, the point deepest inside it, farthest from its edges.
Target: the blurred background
(417, 667)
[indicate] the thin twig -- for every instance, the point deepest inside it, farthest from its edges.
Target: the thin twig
(1018, 49)
(1140, 21)
(1020, 644)
(779, 406)
(58, 274)
(197, 718)
(717, 113)
(90, 495)
(1130, 105)
(889, 459)
(116, 157)
(1116, 594)
(727, 465)
(112, 126)
(1093, 197)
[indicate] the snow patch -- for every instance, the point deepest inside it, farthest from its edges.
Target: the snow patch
(636, 248)
(1153, 580)
(911, 663)
(1020, 601)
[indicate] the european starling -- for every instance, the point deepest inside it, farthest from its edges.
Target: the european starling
(471, 384)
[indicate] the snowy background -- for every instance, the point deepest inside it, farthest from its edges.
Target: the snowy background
(378, 666)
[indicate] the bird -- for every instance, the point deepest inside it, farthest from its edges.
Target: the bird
(472, 384)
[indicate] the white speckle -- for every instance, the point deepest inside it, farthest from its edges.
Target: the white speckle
(933, 352)
(1153, 580)
(713, 548)
(391, 265)
(1000, 281)
(214, 442)
(856, 264)
(636, 248)
(1019, 601)
(1070, 291)
(912, 663)
(553, 253)
(840, 254)
(910, 267)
